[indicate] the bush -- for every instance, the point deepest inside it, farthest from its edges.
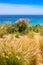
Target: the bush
(21, 25)
(10, 29)
(36, 28)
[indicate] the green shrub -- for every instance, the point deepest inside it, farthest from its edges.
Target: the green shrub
(10, 29)
(21, 25)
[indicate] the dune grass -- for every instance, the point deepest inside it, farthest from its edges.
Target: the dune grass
(21, 44)
(19, 51)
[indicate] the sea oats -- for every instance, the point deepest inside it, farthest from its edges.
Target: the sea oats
(18, 57)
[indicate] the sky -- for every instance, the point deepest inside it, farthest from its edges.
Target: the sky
(22, 7)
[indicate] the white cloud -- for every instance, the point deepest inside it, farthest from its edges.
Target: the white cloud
(20, 9)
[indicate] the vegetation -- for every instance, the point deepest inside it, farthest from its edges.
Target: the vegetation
(21, 26)
(19, 45)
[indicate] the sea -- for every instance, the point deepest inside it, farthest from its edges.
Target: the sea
(34, 19)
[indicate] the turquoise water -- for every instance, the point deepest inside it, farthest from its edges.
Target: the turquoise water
(34, 19)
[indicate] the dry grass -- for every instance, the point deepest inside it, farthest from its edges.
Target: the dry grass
(20, 51)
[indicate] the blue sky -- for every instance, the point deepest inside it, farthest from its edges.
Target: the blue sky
(28, 2)
(21, 7)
